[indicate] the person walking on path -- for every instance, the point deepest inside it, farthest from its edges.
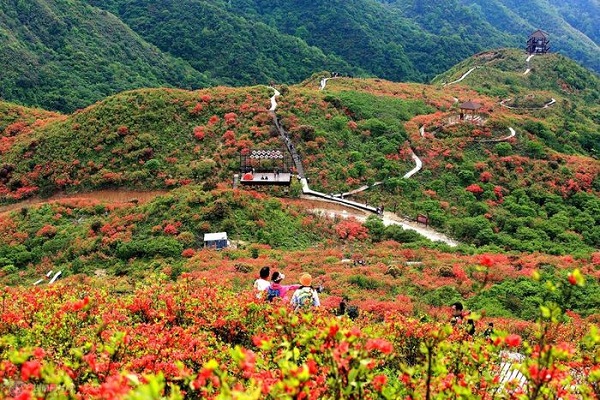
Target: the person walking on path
(305, 296)
(262, 284)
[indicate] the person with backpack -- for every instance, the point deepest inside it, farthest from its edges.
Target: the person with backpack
(276, 289)
(346, 310)
(305, 296)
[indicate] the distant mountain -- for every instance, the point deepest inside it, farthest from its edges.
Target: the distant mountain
(66, 55)
(249, 41)
(218, 41)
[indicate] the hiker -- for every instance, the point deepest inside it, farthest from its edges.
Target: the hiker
(345, 309)
(262, 284)
(305, 296)
(457, 314)
(487, 334)
(470, 328)
(276, 289)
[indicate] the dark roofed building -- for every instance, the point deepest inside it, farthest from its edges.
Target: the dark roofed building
(538, 43)
(470, 106)
(468, 111)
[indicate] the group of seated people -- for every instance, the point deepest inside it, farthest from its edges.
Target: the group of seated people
(304, 295)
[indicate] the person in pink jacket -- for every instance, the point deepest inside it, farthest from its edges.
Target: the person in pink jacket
(276, 289)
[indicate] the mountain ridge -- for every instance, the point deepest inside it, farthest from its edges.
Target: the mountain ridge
(75, 54)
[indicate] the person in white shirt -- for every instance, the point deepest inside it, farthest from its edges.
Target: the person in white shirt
(262, 283)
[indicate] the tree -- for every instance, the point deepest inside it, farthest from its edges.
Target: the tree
(376, 228)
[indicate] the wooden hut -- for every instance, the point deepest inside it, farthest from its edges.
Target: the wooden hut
(538, 43)
(468, 110)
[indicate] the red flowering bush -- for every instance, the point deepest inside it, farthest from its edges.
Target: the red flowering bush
(211, 342)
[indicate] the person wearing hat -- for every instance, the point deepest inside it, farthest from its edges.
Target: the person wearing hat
(305, 296)
(276, 289)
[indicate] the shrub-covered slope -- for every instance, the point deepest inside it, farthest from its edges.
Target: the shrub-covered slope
(93, 338)
(536, 190)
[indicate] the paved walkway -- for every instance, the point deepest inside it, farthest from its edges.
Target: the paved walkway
(462, 77)
(388, 218)
(502, 139)
(548, 104)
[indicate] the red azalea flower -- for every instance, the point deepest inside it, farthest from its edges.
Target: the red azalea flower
(513, 340)
(379, 381)
(380, 344)
(31, 368)
(486, 260)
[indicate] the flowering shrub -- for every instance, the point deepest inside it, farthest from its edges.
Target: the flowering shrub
(194, 339)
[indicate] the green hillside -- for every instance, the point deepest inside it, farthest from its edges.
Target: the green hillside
(518, 18)
(64, 55)
(535, 191)
(500, 74)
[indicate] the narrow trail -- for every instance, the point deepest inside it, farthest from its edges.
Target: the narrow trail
(461, 78)
(332, 209)
(528, 70)
(415, 169)
(548, 104)
(105, 196)
(387, 217)
(323, 83)
(513, 133)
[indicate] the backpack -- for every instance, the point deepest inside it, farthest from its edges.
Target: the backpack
(272, 293)
(352, 312)
(304, 298)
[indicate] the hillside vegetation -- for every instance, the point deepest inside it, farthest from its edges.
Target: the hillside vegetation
(535, 191)
(67, 55)
(111, 293)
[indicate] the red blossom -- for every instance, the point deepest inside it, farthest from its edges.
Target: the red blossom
(486, 260)
(31, 368)
(380, 344)
(513, 340)
(188, 253)
(474, 188)
(379, 381)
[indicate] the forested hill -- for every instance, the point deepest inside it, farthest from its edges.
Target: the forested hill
(525, 177)
(66, 55)
(398, 40)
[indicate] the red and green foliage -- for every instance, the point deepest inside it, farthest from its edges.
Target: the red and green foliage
(87, 338)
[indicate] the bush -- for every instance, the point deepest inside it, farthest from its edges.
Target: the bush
(160, 246)
(364, 282)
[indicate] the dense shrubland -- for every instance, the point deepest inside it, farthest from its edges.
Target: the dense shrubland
(534, 192)
(196, 338)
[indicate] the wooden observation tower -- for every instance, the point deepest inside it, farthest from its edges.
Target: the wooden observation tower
(538, 43)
